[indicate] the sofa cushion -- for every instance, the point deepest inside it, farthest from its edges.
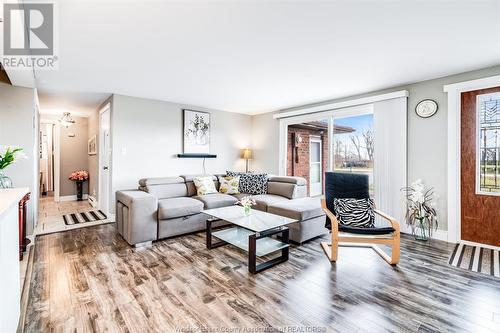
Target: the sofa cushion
(264, 200)
(299, 209)
(216, 200)
(289, 180)
(160, 181)
(163, 188)
(287, 190)
(178, 207)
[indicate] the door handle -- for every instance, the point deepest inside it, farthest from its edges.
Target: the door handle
(105, 168)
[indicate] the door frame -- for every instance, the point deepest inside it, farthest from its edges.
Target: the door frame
(57, 155)
(454, 92)
(316, 139)
(106, 210)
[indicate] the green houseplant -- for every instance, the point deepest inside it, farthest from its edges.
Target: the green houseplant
(8, 155)
(421, 215)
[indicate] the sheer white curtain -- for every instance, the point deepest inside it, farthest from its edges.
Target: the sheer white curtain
(390, 169)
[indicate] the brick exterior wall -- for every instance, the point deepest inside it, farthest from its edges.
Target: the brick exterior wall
(301, 169)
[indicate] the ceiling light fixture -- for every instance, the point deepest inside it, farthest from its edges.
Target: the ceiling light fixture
(66, 120)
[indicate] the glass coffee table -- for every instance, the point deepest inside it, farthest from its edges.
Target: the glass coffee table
(251, 233)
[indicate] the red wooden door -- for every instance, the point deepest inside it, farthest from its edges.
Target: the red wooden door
(480, 181)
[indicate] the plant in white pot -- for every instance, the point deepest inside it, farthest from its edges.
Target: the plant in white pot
(421, 215)
(8, 155)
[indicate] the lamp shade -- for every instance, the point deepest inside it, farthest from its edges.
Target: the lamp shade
(246, 154)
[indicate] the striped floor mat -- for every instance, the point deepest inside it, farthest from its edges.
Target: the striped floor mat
(90, 216)
(476, 258)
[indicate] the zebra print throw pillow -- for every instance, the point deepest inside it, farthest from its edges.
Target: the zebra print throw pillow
(355, 212)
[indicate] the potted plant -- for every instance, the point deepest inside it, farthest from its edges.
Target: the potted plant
(247, 203)
(420, 213)
(79, 177)
(8, 155)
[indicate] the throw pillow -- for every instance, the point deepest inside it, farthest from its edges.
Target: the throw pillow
(355, 212)
(229, 185)
(204, 185)
(251, 183)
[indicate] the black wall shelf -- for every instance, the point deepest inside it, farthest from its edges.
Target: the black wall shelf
(196, 156)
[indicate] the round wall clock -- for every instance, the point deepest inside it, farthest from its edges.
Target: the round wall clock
(426, 108)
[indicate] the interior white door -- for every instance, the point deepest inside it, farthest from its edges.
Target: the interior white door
(315, 167)
(104, 160)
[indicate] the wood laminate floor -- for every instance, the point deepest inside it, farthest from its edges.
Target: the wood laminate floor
(90, 280)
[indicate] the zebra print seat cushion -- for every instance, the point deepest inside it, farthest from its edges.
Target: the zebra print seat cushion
(357, 213)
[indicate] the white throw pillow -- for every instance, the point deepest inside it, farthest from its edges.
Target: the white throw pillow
(204, 185)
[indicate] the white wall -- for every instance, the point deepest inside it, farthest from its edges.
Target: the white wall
(265, 143)
(427, 147)
(147, 135)
(18, 127)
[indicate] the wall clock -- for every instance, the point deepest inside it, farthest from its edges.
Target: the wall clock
(426, 108)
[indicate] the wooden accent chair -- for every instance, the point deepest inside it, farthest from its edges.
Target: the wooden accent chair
(349, 185)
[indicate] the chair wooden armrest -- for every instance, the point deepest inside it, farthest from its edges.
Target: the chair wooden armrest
(392, 220)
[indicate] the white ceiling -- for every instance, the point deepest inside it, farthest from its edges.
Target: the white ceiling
(259, 56)
(77, 103)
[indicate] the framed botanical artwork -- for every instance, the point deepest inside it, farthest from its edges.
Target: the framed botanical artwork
(92, 149)
(196, 132)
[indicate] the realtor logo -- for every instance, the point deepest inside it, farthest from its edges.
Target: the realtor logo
(29, 36)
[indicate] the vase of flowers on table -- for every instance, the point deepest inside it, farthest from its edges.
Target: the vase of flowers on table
(79, 177)
(247, 203)
(8, 155)
(421, 215)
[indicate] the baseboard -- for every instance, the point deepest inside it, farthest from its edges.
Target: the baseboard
(72, 197)
(93, 201)
(440, 235)
(436, 234)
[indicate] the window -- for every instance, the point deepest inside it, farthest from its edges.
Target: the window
(488, 144)
(353, 145)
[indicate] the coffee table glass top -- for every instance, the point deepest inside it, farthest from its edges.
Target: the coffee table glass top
(257, 220)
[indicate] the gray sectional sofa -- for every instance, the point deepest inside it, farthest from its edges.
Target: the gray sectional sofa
(167, 207)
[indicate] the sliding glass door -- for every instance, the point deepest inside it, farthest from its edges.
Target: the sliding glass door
(353, 145)
(340, 140)
(308, 153)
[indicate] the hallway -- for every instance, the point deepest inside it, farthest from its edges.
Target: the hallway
(50, 215)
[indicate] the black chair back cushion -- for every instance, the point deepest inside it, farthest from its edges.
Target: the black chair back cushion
(344, 185)
(349, 185)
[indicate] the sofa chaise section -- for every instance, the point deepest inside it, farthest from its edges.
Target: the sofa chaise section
(306, 210)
